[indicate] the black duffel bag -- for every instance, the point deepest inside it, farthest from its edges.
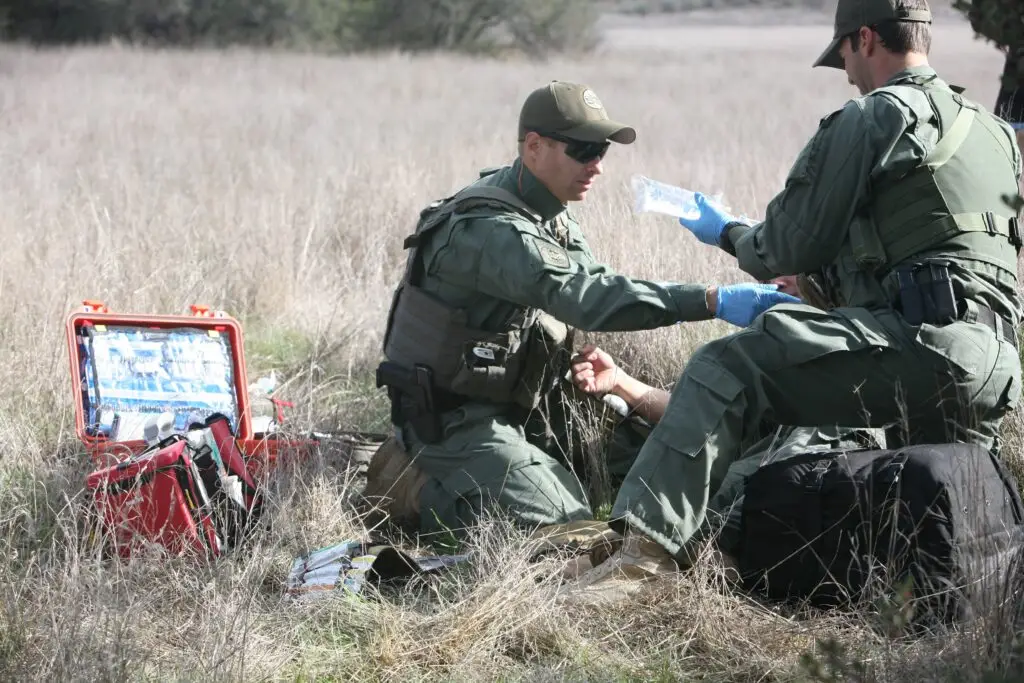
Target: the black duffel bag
(832, 528)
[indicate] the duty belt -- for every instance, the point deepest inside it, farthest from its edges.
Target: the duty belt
(972, 312)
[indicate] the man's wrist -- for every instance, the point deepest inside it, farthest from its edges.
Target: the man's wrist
(725, 241)
(711, 300)
(616, 382)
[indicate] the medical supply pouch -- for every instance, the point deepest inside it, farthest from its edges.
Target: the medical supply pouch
(190, 492)
(157, 498)
(224, 472)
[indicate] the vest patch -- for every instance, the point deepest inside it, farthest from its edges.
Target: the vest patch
(552, 255)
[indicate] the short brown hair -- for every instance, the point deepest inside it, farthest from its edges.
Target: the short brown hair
(902, 37)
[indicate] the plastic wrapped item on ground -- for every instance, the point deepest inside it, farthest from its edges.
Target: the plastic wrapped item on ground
(262, 406)
(349, 565)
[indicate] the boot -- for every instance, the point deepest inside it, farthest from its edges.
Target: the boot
(393, 484)
(637, 563)
(584, 540)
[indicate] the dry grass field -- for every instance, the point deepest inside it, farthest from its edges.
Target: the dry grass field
(278, 187)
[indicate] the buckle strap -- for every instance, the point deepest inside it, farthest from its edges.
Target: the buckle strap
(1015, 236)
(1001, 326)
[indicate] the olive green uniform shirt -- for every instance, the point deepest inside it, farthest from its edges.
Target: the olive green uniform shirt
(868, 143)
(494, 265)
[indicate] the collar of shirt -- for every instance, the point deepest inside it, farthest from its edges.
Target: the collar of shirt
(912, 73)
(532, 191)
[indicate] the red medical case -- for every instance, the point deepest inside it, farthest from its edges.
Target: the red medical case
(261, 450)
(161, 482)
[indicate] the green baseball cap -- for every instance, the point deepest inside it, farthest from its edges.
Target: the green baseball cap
(573, 111)
(852, 14)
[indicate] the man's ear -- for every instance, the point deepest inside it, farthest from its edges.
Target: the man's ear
(868, 41)
(532, 144)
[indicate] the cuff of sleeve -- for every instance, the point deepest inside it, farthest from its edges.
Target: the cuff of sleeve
(732, 232)
(746, 255)
(691, 302)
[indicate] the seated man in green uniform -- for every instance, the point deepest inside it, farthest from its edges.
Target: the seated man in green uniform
(897, 203)
(478, 332)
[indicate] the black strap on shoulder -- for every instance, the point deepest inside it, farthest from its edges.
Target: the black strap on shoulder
(472, 197)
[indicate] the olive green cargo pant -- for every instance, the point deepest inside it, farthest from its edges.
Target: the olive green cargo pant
(798, 365)
(536, 470)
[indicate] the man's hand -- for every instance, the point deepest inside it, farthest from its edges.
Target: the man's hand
(594, 371)
(786, 283)
(739, 304)
(708, 227)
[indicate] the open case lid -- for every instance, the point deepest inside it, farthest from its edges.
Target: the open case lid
(127, 370)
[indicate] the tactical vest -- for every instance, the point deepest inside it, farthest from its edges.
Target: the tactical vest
(509, 366)
(950, 207)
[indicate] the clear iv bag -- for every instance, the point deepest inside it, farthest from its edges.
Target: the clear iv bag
(658, 197)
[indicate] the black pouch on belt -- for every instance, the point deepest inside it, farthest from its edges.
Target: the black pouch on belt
(926, 293)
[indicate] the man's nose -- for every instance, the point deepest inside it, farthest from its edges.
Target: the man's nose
(595, 166)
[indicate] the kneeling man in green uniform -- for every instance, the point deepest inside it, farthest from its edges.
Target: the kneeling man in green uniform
(479, 332)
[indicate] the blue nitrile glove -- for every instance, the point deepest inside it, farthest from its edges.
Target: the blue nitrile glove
(709, 225)
(739, 304)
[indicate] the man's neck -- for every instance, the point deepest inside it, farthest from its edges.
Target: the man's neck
(897, 63)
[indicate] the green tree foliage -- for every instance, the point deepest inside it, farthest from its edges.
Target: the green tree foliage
(535, 27)
(1001, 22)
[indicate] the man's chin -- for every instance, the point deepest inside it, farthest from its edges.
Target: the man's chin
(579, 194)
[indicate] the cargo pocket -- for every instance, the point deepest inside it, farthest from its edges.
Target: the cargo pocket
(971, 348)
(803, 333)
(696, 407)
(498, 466)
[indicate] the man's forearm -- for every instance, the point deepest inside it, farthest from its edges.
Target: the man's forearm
(643, 399)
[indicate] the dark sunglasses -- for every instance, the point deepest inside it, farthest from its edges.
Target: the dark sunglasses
(580, 150)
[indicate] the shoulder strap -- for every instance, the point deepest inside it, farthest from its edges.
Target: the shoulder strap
(471, 197)
(492, 195)
(954, 138)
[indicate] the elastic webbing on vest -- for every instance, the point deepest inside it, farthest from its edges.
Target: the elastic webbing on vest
(474, 196)
(945, 228)
(915, 197)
